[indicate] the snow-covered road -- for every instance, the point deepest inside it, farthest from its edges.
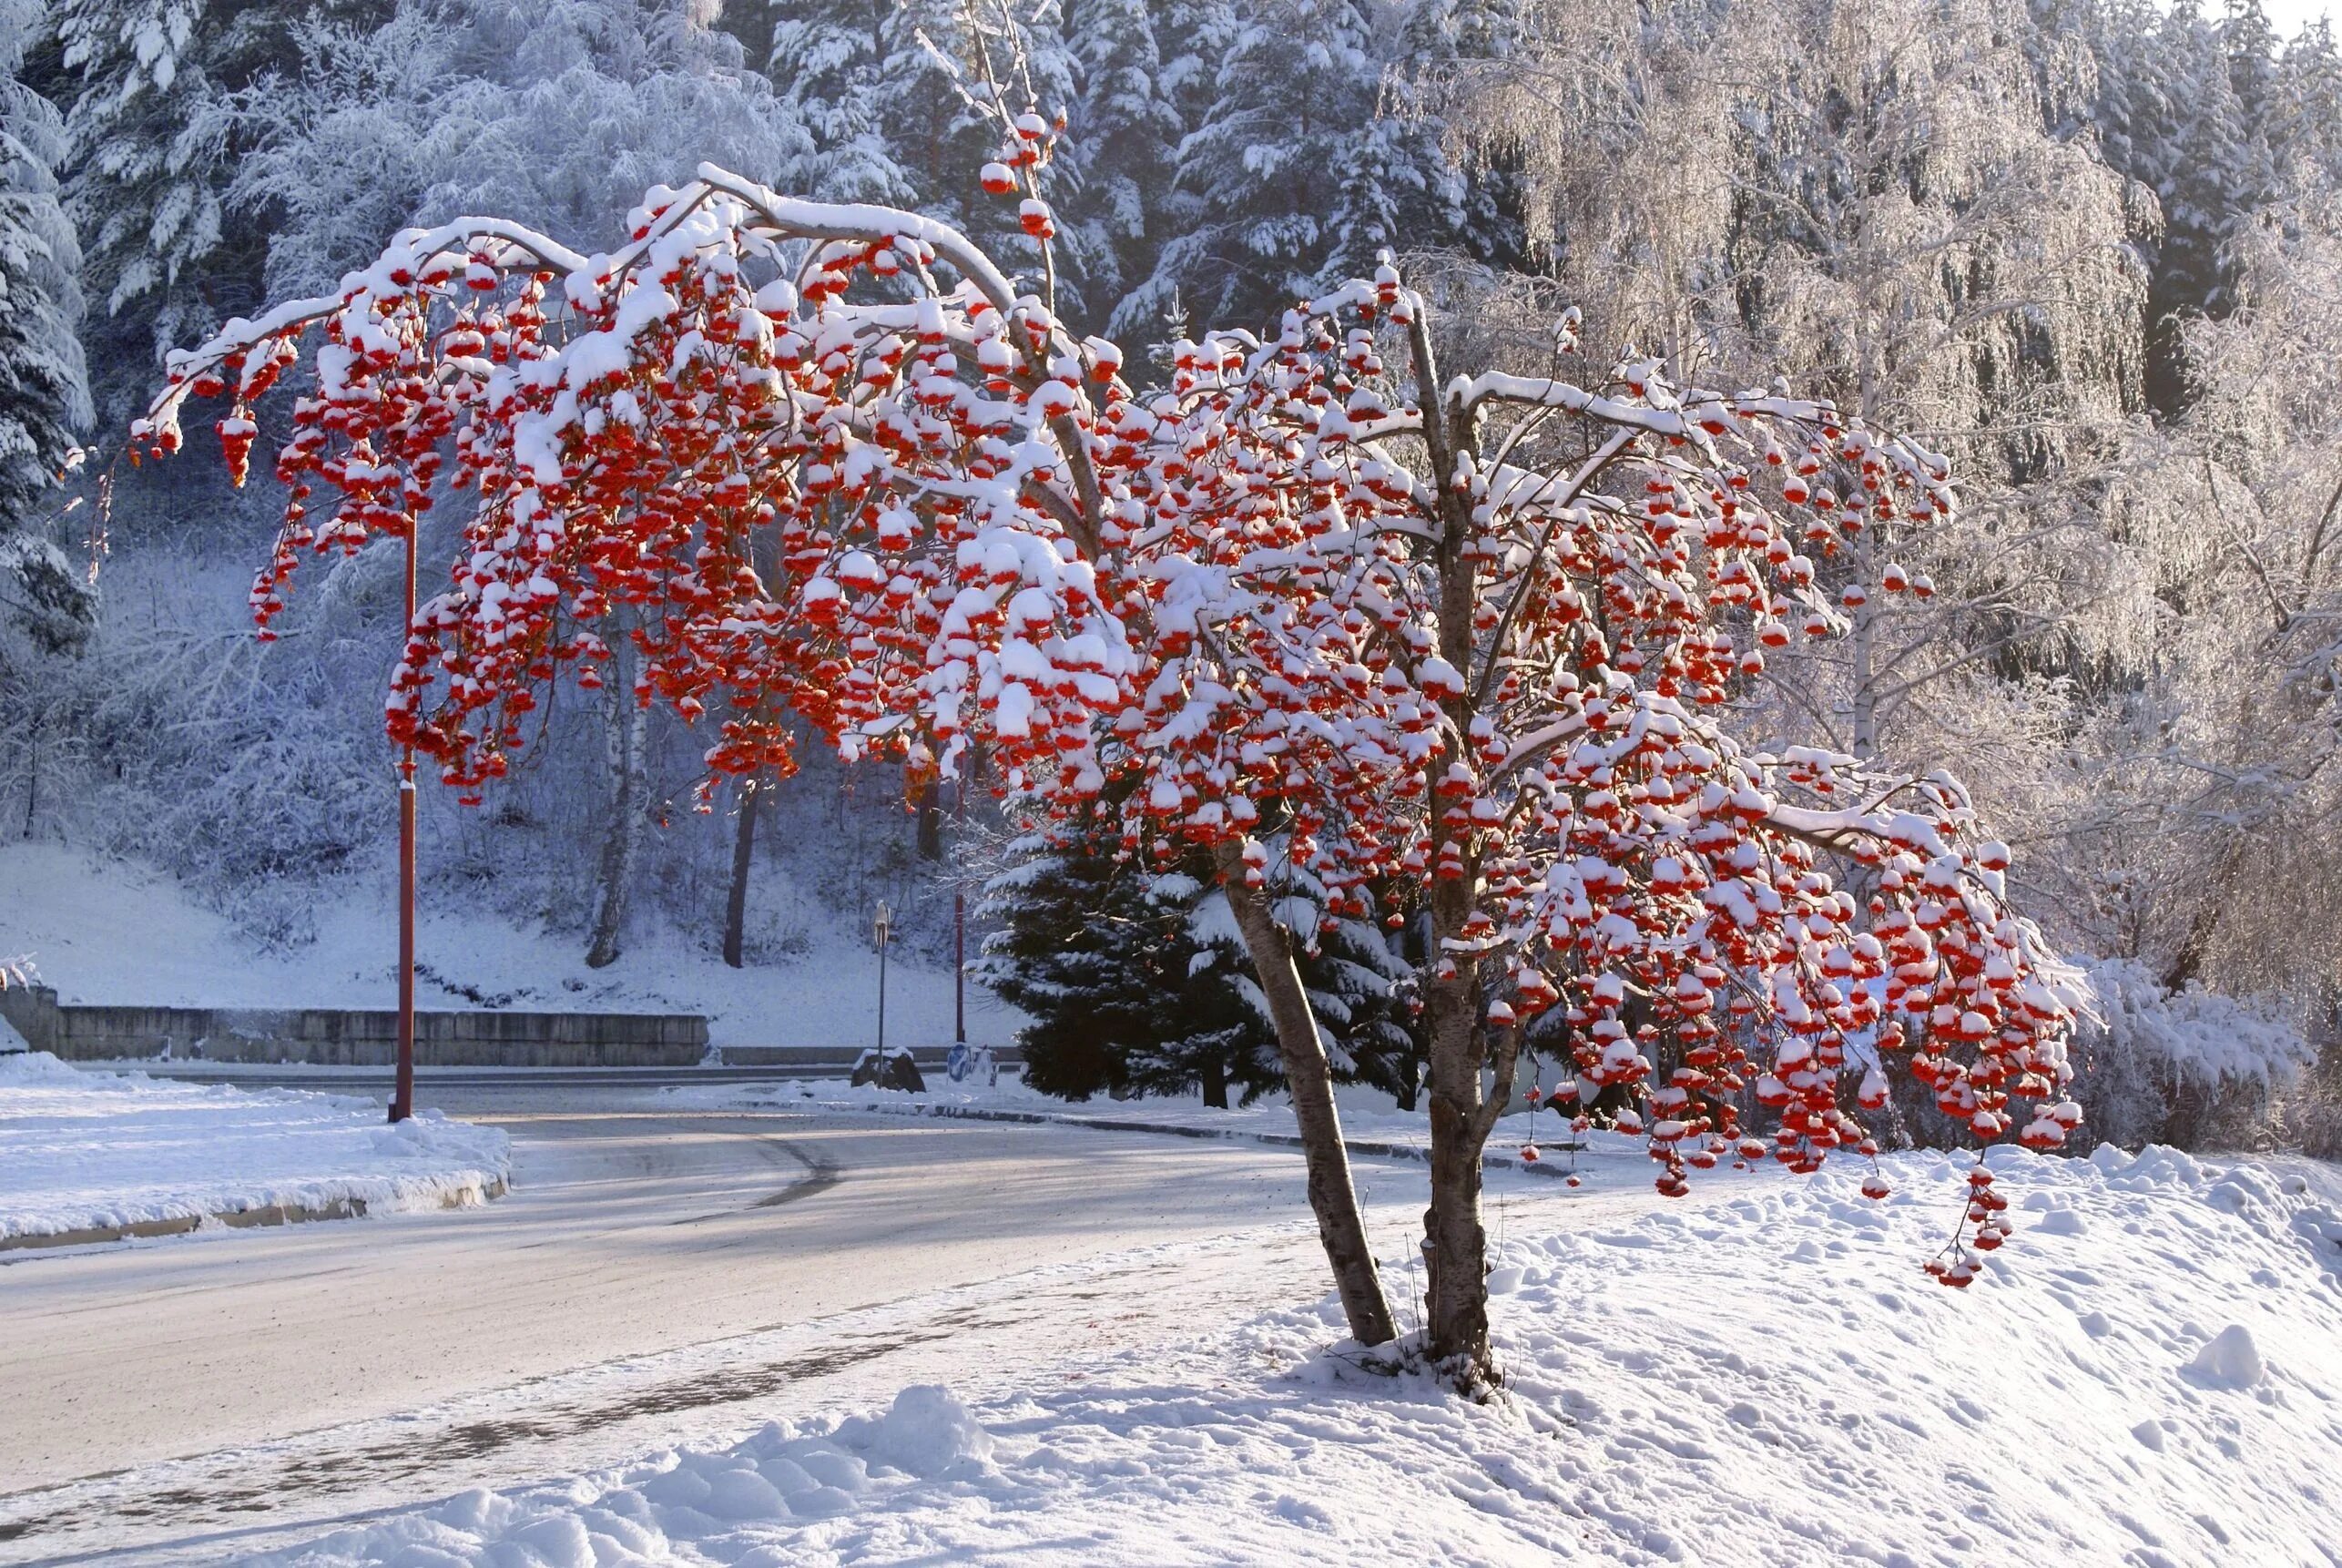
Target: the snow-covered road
(652, 1269)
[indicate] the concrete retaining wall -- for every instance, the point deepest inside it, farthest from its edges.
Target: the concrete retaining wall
(333, 1037)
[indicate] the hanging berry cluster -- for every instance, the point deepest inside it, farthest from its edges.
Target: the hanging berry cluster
(826, 481)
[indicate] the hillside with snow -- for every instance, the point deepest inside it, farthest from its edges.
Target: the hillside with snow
(110, 932)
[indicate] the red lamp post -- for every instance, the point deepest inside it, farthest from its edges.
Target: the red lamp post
(402, 1089)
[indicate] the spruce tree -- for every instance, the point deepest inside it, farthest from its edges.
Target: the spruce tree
(1138, 981)
(44, 395)
(883, 87)
(1303, 170)
(1262, 172)
(1125, 138)
(826, 62)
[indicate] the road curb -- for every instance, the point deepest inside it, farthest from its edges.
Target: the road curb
(1361, 1146)
(271, 1213)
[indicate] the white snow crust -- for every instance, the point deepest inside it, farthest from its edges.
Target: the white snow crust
(1764, 1379)
(84, 1151)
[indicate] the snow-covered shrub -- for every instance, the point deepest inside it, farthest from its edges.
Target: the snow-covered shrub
(2191, 1069)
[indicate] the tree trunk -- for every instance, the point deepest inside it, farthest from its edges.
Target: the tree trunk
(1455, 1242)
(627, 738)
(1864, 654)
(744, 843)
(931, 821)
(32, 778)
(1455, 1239)
(1340, 1227)
(1214, 1078)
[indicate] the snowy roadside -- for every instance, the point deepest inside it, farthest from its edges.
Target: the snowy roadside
(1370, 1125)
(2147, 1375)
(91, 1156)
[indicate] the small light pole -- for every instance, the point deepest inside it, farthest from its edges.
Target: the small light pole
(960, 930)
(884, 927)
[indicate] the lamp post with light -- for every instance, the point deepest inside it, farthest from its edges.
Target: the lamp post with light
(883, 927)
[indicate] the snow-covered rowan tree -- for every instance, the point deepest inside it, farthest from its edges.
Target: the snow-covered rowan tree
(1463, 642)
(43, 394)
(1491, 674)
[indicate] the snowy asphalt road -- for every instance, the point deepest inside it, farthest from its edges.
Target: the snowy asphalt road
(652, 1268)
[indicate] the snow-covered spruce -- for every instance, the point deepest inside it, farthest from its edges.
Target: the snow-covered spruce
(1137, 980)
(84, 1152)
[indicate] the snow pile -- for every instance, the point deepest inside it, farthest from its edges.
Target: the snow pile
(89, 1151)
(2146, 1375)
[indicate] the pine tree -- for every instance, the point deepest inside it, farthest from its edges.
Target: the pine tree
(1124, 137)
(150, 88)
(44, 395)
(1138, 983)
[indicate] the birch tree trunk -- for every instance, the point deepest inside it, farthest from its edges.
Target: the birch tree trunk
(626, 737)
(1308, 1078)
(744, 843)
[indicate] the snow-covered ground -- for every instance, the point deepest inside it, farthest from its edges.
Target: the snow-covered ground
(2150, 1375)
(104, 931)
(85, 1151)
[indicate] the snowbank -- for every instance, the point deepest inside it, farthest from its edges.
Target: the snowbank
(87, 1151)
(2147, 1375)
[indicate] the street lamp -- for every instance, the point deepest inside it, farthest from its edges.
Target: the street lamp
(884, 927)
(960, 931)
(402, 1089)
